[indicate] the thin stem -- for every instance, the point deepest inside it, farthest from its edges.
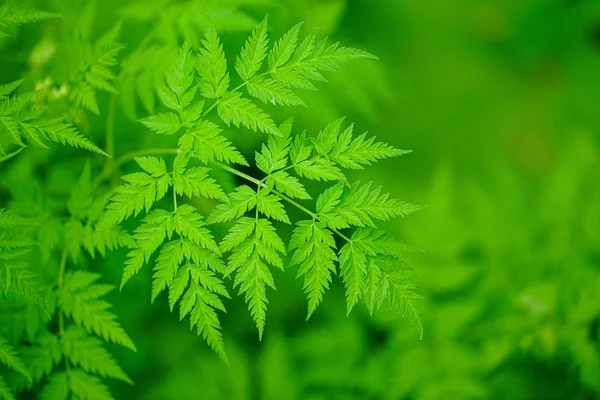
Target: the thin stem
(260, 184)
(109, 163)
(174, 200)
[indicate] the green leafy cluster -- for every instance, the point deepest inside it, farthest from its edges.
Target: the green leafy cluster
(21, 121)
(13, 14)
(179, 210)
(370, 262)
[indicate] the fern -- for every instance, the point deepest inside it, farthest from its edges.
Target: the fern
(188, 260)
(178, 211)
(13, 14)
(21, 122)
(94, 70)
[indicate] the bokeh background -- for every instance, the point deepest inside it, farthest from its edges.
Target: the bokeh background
(500, 102)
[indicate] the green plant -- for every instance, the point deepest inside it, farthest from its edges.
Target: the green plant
(55, 303)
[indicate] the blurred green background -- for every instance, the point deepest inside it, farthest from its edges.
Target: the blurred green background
(500, 101)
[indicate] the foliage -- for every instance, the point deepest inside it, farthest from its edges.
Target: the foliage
(178, 208)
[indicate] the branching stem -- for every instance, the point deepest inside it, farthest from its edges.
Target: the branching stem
(129, 156)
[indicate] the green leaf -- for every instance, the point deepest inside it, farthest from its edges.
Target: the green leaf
(67, 134)
(180, 77)
(201, 301)
(361, 204)
(9, 219)
(319, 168)
(284, 48)
(273, 156)
(314, 253)
(13, 14)
(80, 299)
(17, 282)
(288, 185)
(271, 206)
(207, 143)
(167, 264)
(141, 191)
(270, 91)
(190, 224)
(87, 387)
(10, 358)
(195, 181)
(241, 200)
(155, 228)
(328, 137)
(212, 66)
(243, 228)
(88, 353)
(7, 88)
(57, 387)
(362, 151)
(163, 124)
(352, 269)
(249, 262)
(253, 53)
(9, 128)
(238, 110)
(40, 358)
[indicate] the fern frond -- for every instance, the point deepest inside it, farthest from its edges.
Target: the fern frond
(311, 58)
(270, 91)
(314, 253)
(14, 14)
(195, 181)
(167, 264)
(253, 53)
(87, 352)
(237, 110)
(5, 393)
(62, 133)
(162, 123)
(7, 88)
(180, 78)
(212, 66)
(154, 229)
(57, 387)
(10, 358)
(241, 200)
(201, 302)
(396, 285)
(87, 387)
(80, 299)
(141, 192)
(207, 143)
(249, 260)
(385, 276)
(40, 358)
(288, 185)
(284, 48)
(359, 205)
(353, 268)
(190, 224)
(319, 169)
(94, 70)
(17, 282)
(271, 206)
